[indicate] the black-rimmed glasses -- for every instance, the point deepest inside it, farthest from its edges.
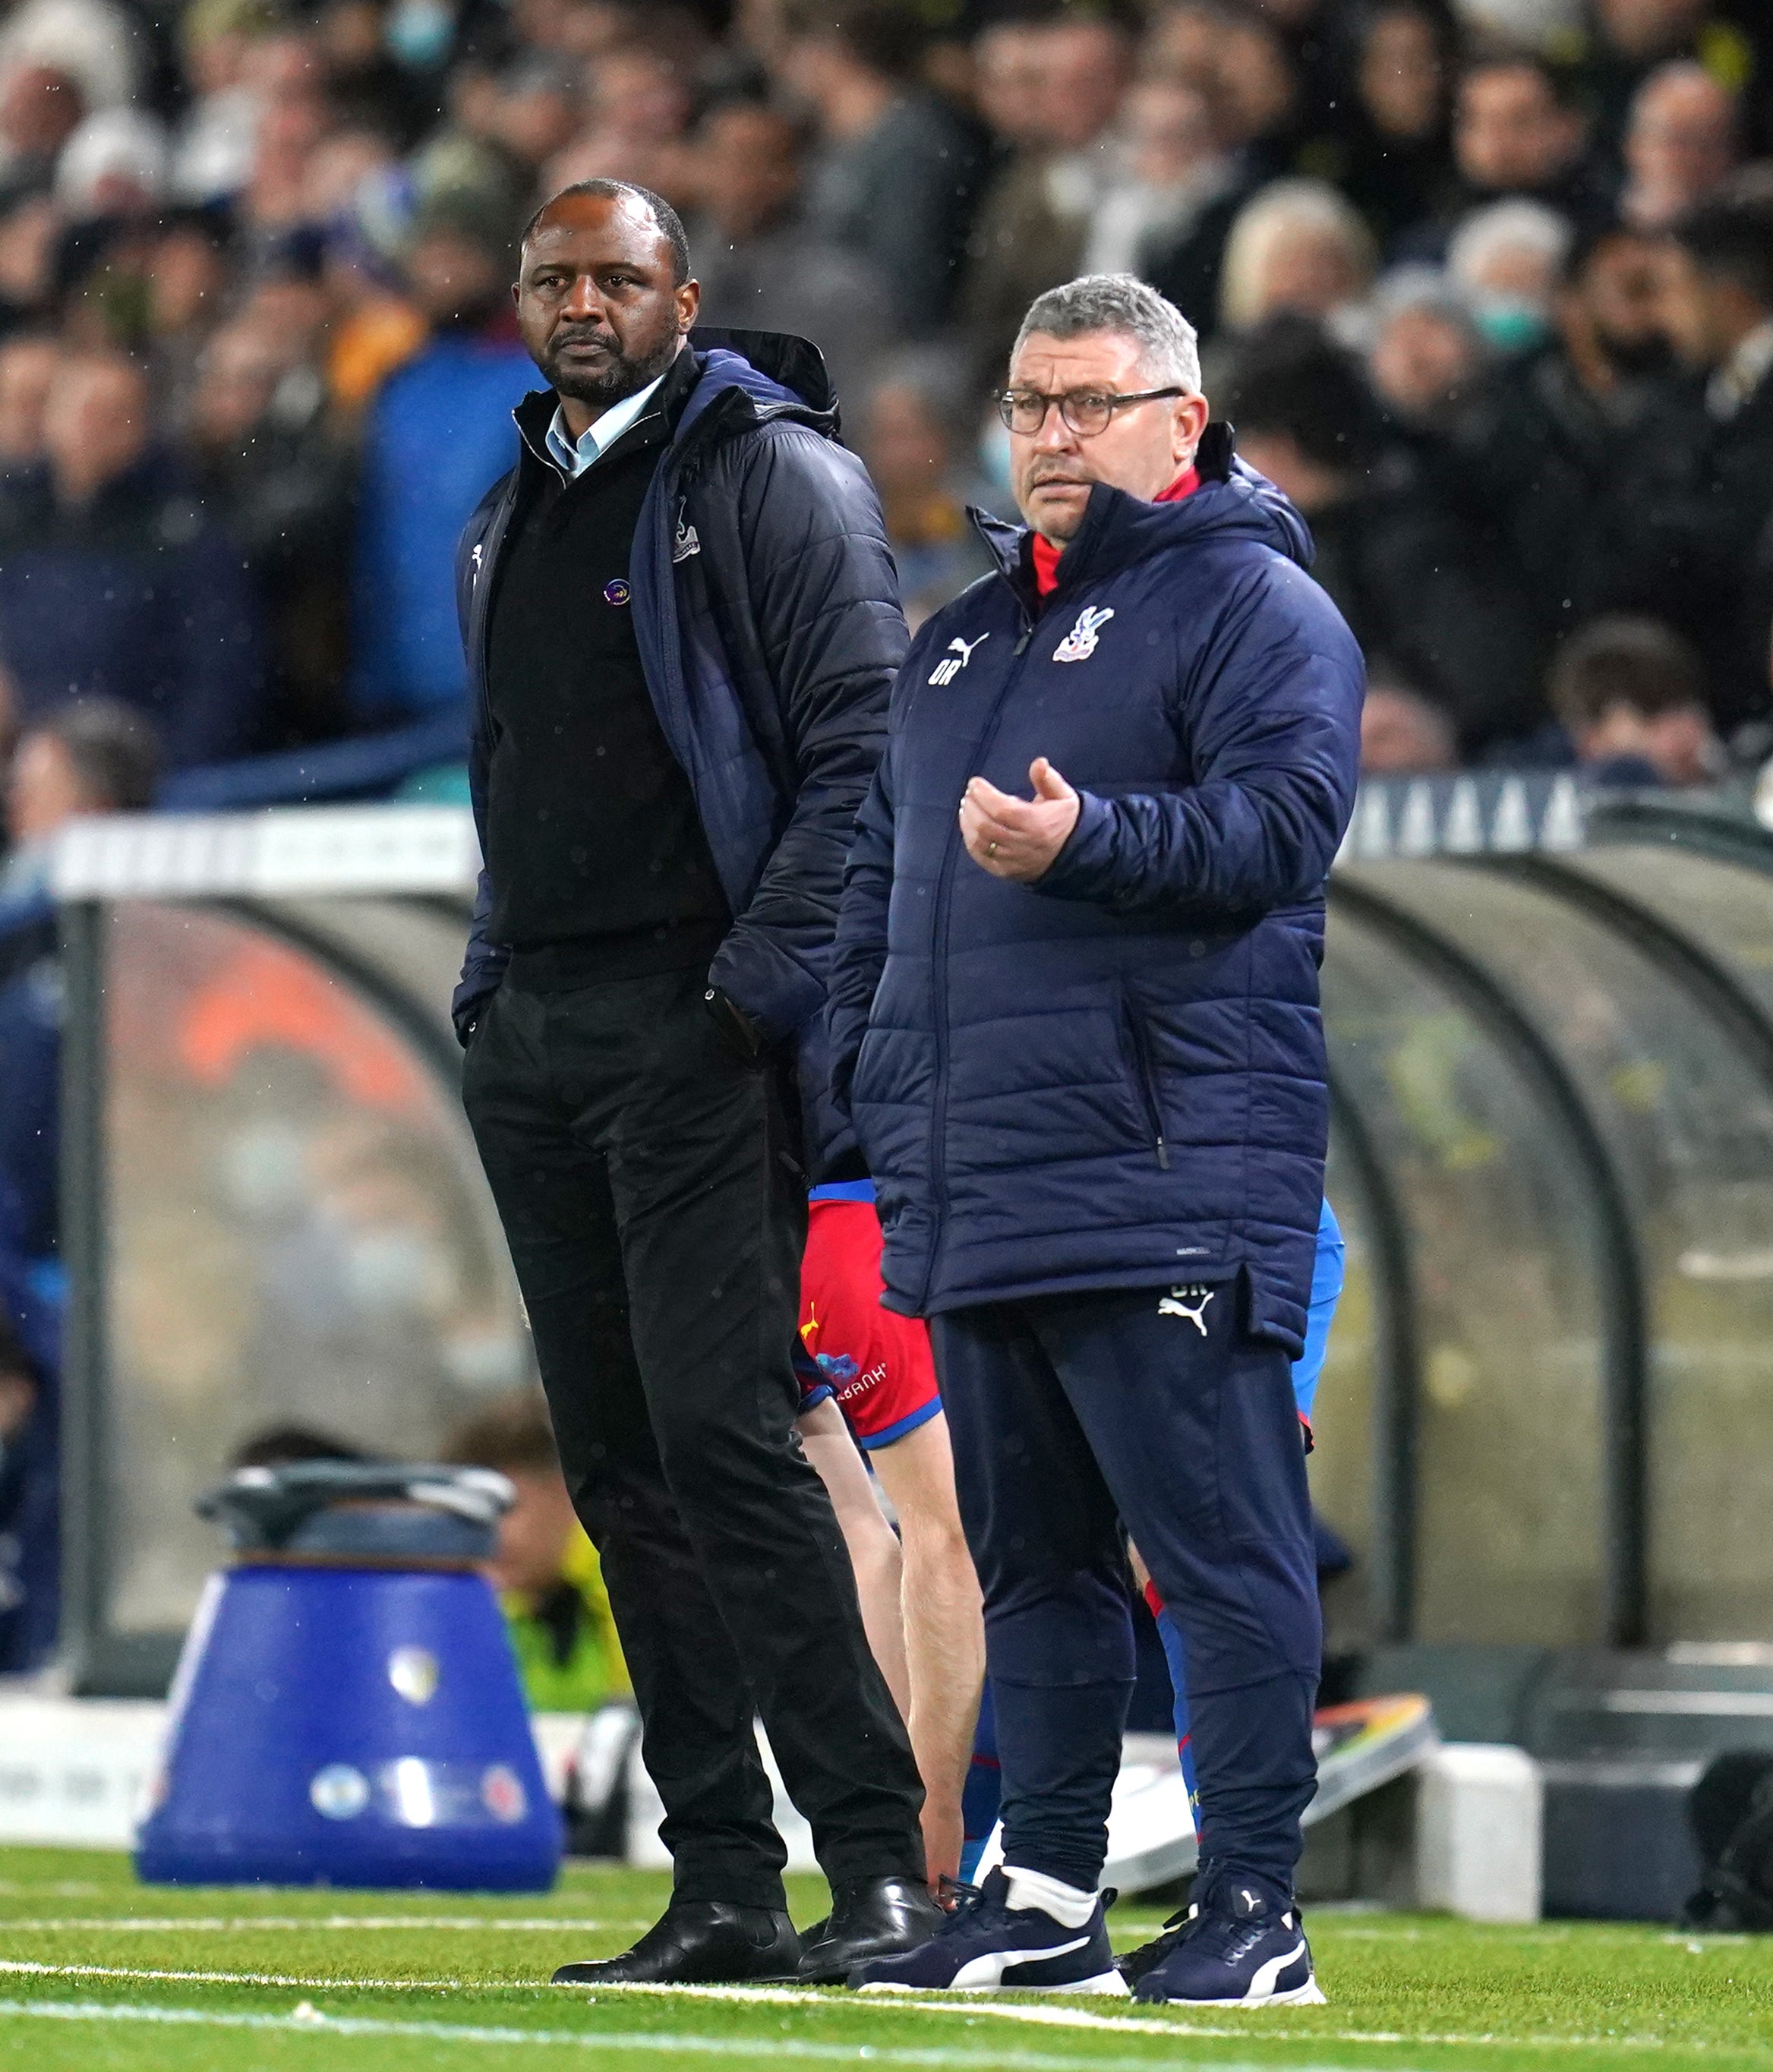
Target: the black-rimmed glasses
(1087, 411)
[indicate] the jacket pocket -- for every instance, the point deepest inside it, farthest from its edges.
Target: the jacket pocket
(1145, 1071)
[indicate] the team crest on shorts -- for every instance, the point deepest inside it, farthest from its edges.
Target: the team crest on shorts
(1079, 644)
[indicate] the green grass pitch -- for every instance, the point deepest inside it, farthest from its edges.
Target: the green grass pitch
(98, 1974)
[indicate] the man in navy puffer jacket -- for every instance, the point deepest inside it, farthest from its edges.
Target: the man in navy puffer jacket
(1078, 1037)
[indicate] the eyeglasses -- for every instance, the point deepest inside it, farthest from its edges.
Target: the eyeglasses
(1087, 411)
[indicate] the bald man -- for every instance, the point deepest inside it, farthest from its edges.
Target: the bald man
(682, 624)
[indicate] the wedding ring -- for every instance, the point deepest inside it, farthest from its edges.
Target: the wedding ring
(991, 848)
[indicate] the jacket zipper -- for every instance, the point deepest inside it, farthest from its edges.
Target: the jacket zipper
(1145, 1071)
(938, 957)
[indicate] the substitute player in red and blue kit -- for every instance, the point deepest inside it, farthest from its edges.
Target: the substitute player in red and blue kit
(868, 1380)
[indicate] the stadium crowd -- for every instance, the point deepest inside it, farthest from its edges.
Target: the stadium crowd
(1486, 288)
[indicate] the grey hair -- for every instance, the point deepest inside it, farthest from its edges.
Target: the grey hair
(1169, 349)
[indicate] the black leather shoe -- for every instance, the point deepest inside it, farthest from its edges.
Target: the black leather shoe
(699, 1942)
(869, 1917)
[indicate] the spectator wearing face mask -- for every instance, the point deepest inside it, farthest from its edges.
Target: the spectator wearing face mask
(1682, 142)
(114, 583)
(1630, 693)
(1505, 260)
(1544, 439)
(1405, 572)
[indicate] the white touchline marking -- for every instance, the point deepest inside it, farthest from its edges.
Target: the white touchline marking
(307, 2022)
(243, 1924)
(1043, 2015)
(23, 1968)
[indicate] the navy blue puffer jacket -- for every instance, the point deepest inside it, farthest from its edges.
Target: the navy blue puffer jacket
(1113, 1077)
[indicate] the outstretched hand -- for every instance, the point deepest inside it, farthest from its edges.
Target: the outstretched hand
(1018, 838)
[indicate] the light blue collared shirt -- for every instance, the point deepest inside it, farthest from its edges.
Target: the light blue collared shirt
(597, 438)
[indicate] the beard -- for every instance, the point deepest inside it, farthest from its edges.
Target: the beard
(1641, 358)
(622, 373)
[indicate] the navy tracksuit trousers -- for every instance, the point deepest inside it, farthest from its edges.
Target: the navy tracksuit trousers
(1073, 1416)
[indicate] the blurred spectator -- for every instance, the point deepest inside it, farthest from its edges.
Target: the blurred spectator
(1401, 734)
(1399, 168)
(545, 1570)
(1297, 248)
(112, 581)
(1630, 39)
(1681, 145)
(914, 437)
(760, 266)
(271, 469)
(897, 178)
(1167, 217)
(1506, 261)
(1518, 132)
(93, 756)
(640, 105)
(214, 143)
(1630, 693)
(30, 1489)
(40, 108)
(1427, 358)
(113, 165)
(29, 364)
(1690, 505)
(438, 436)
(1034, 217)
(1406, 575)
(95, 42)
(281, 1445)
(1541, 447)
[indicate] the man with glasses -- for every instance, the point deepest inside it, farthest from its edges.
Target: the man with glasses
(1078, 1036)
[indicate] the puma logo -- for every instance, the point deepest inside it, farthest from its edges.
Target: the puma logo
(946, 671)
(1189, 1302)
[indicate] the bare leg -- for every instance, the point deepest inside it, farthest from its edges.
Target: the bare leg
(943, 1629)
(874, 1551)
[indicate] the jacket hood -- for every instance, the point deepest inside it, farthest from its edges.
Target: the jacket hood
(1119, 529)
(764, 374)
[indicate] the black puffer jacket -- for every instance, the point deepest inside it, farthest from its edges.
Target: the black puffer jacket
(766, 610)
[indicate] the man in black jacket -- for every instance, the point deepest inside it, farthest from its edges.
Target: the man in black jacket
(682, 626)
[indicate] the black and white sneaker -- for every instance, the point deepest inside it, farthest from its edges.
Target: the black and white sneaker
(1242, 1946)
(986, 1945)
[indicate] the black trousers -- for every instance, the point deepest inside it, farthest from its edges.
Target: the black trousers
(649, 1180)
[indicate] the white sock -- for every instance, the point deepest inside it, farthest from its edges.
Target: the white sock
(1068, 1906)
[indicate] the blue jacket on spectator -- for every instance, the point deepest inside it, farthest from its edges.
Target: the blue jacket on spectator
(439, 431)
(135, 596)
(1114, 1078)
(767, 612)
